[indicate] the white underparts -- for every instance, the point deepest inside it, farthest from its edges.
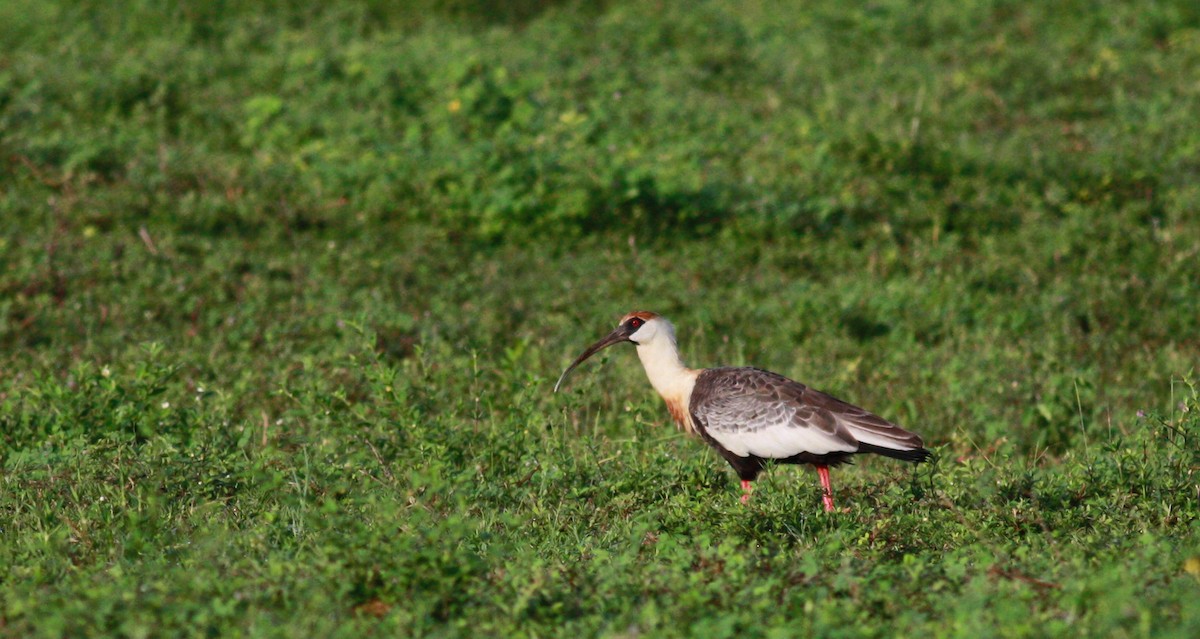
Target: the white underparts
(780, 441)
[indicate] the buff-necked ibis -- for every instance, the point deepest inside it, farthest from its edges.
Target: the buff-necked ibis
(752, 416)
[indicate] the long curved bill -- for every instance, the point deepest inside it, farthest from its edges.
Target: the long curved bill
(621, 334)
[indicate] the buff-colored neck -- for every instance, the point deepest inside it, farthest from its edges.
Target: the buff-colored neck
(668, 375)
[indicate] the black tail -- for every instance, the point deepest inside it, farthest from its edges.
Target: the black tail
(915, 455)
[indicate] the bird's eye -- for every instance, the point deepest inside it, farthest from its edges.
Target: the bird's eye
(636, 323)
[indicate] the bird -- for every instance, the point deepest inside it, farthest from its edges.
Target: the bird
(754, 417)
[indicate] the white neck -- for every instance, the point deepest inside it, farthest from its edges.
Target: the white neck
(668, 375)
(660, 358)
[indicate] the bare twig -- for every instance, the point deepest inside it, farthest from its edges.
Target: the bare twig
(1040, 584)
(38, 174)
(387, 471)
(147, 240)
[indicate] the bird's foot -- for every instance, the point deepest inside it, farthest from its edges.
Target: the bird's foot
(745, 491)
(826, 487)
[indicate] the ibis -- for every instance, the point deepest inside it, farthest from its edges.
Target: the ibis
(753, 417)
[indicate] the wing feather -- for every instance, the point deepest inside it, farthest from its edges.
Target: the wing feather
(750, 411)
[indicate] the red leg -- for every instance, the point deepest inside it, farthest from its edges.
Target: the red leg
(745, 491)
(823, 471)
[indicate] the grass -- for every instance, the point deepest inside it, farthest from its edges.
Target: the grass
(285, 287)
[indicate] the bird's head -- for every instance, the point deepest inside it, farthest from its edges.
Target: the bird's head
(639, 327)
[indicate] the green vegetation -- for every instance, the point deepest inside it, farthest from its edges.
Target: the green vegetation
(284, 290)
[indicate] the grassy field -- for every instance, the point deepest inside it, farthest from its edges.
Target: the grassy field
(284, 290)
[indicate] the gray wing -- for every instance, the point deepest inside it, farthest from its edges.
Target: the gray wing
(755, 412)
